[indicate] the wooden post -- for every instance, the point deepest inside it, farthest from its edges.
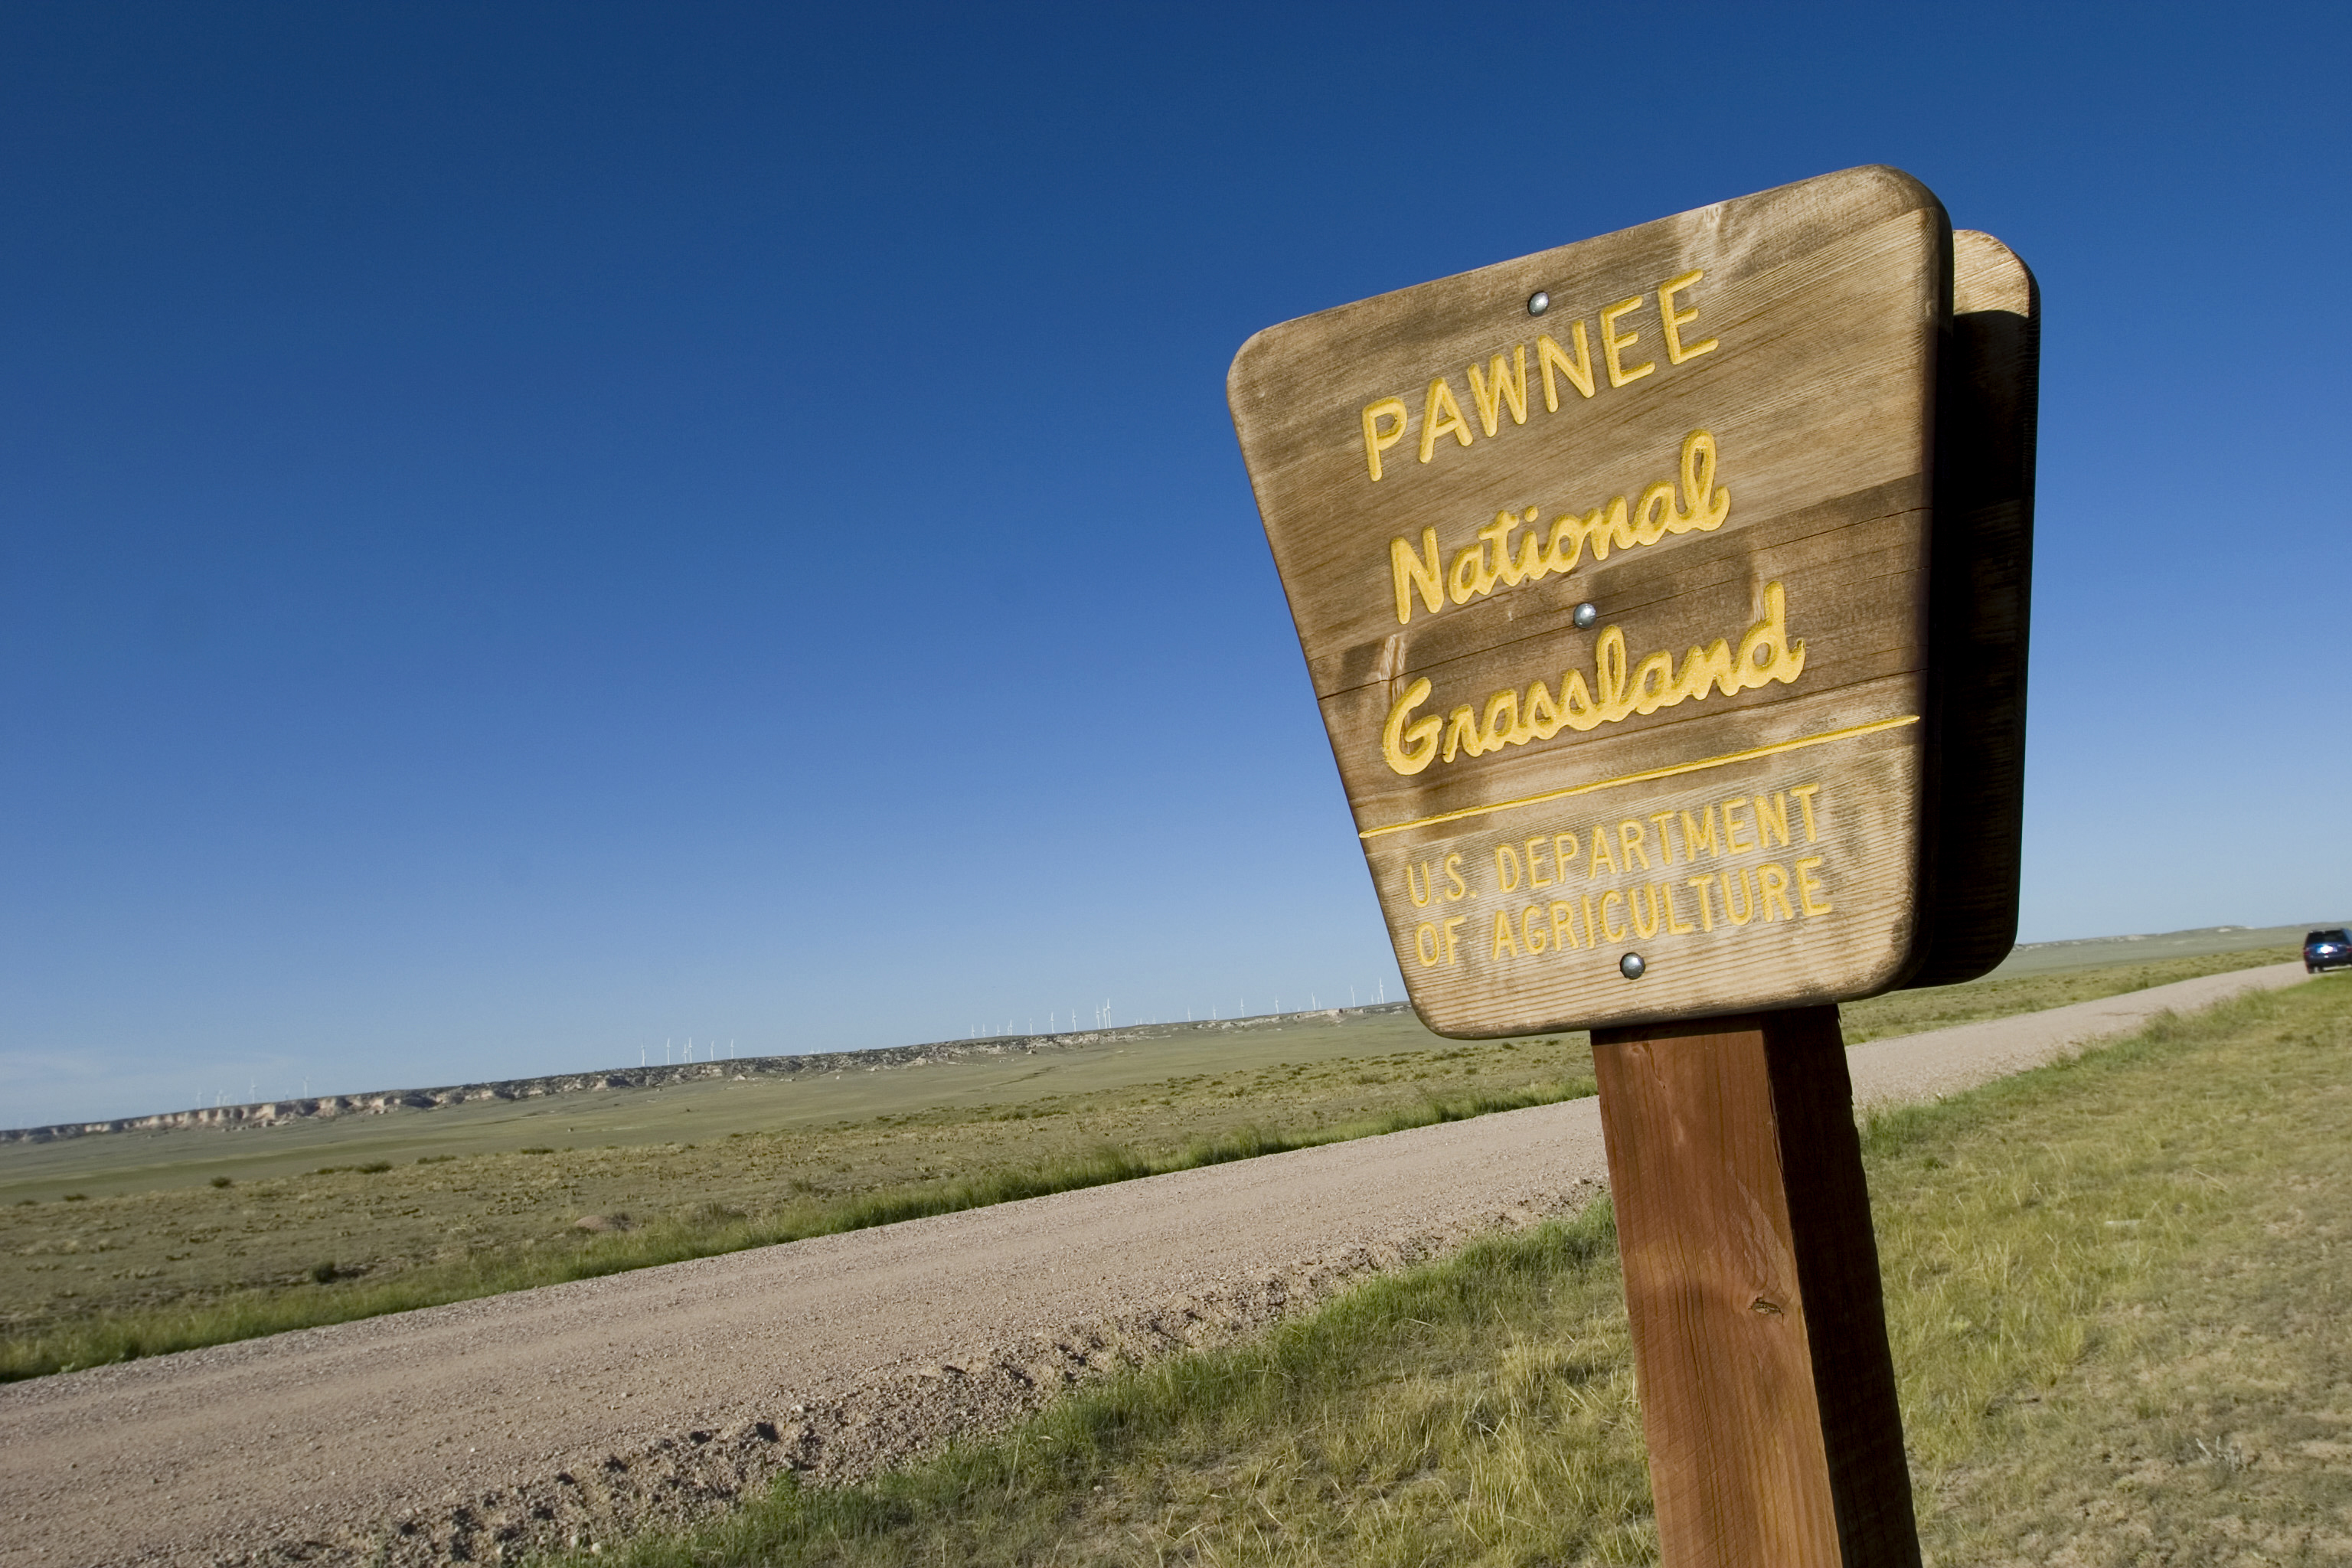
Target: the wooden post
(1751, 1277)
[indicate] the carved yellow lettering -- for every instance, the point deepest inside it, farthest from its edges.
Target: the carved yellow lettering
(1542, 715)
(1665, 819)
(1605, 527)
(1424, 892)
(1469, 577)
(1614, 931)
(1564, 922)
(1456, 888)
(1411, 571)
(1491, 399)
(1804, 793)
(1498, 566)
(1699, 835)
(1377, 440)
(1706, 905)
(1611, 346)
(1531, 935)
(1600, 856)
(1654, 514)
(1738, 881)
(1504, 947)
(1529, 564)
(1630, 839)
(1675, 924)
(1578, 371)
(1772, 879)
(1506, 869)
(1410, 748)
(1536, 878)
(1502, 383)
(1501, 726)
(1441, 416)
(1454, 924)
(1704, 504)
(1731, 828)
(1766, 655)
(1771, 820)
(1591, 931)
(1810, 890)
(1563, 851)
(1672, 321)
(1462, 733)
(1693, 503)
(1424, 944)
(1566, 545)
(1644, 903)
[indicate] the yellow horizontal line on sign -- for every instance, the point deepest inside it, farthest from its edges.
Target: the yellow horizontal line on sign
(1799, 744)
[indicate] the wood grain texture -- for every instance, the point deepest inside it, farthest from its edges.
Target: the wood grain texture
(1980, 605)
(1751, 1280)
(1827, 305)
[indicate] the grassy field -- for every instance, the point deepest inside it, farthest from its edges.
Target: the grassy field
(2101, 951)
(2115, 1289)
(130, 1244)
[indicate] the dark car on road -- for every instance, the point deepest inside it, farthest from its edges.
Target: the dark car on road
(2327, 950)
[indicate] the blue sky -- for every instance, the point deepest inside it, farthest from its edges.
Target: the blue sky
(529, 531)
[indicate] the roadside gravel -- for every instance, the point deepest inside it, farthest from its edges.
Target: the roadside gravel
(477, 1430)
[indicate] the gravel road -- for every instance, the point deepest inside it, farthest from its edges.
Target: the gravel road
(571, 1413)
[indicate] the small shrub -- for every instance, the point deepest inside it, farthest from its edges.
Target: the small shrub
(536, 1148)
(220, 1181)
(322, 1273)
(77, 1197)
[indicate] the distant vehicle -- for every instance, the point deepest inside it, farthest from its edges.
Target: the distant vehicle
(2327, 950)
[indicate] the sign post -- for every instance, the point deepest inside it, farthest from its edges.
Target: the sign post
(1664, 598)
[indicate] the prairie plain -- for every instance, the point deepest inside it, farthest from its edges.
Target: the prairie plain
(2115, 1286)
(123, 1244)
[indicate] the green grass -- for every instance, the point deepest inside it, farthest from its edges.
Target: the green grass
(333, 1294)
(1479, 1407)
(1125, 1069)
(177, 1240)
(2115, 1288)
(2003, 995)
(2120, 1290)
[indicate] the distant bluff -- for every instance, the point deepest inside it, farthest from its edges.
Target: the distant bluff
(384, 1102)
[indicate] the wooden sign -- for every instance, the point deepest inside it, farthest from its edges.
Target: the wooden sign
(1617, 576)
